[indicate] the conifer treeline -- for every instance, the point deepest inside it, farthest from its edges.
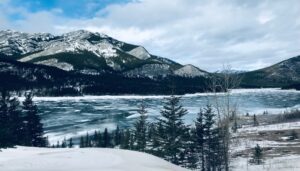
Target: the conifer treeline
(198, 146)
(20, 125)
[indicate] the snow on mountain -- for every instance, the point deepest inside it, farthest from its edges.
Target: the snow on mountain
(85, 51)
(150, 70)
(76, 159)
(54, 62)
(189, 71)
(140, 52)
(13, 42)
(76, 42)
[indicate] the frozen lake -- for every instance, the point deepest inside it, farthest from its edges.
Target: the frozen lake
(74, 116)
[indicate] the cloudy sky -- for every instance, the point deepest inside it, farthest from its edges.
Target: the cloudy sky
(246, 34)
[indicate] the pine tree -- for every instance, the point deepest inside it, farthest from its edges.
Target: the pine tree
(12, 128)
(208, 142)
(34, 127)
(106, 139)
(16, 125)
(190, 155)
(58, 144)
(158, 134)
(257, 155)
(64, 143)
(99, 140)
(95, 139)
(87, 140)
(125, 143)
(293, 135)
(82, 143)
(199, 138)
(70, 144)
(172, 130)
(151, 131)
(131, 141)
(191, 158)
(5, 131)
(140, 129)
(117, 136)
(255, 121)
(210, 139)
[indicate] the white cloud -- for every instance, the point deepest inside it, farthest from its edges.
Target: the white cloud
(245, 34)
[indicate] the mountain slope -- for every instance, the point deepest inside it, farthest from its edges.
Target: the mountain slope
(281, 74)
(190, 71)
(87, 53)
(52, 81)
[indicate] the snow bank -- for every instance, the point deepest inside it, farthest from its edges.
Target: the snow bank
(75, 159)
(272, 127)
(109, 97)
(285, 163)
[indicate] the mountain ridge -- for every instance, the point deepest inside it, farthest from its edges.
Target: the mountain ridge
(87, 54)
(281, 74)
(63, 51)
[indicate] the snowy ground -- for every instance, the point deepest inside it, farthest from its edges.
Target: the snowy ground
(285, 163)
(280, 153)
(76, 159)
(271, 127)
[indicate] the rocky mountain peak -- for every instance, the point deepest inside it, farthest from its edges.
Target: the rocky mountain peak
(83, 50)
(189, 71)
(140, 52)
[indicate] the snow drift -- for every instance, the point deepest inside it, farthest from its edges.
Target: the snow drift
(76, 159)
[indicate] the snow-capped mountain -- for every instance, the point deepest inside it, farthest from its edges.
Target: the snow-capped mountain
(89, 53)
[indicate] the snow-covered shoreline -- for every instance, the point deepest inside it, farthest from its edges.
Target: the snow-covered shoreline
(78, 159)
(95, 97)
(280, 152)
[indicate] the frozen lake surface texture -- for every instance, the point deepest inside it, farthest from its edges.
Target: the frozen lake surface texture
(65, 117)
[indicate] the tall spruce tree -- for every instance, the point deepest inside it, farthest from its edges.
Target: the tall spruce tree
(191, 153)
(5, 131)
(125, 143)
(34, 127)
(16, 125)
(99, 140)
(87, 140)
(95, 139)
(140, 129)
(157, 133)
(131, 141)
(117, 136)
(106, 139)
(82, 143)
(199, 138)
(209, 122)
(64, 143)
(70, 144)
(172, 129)
(212, 141)
(255, 121)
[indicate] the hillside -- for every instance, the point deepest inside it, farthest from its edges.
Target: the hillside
(89, 57)
(281, 74)
(48, 159)
(83, 62)
(51, 81)
(88, 53)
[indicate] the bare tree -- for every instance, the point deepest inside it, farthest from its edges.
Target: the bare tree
(226, 107)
